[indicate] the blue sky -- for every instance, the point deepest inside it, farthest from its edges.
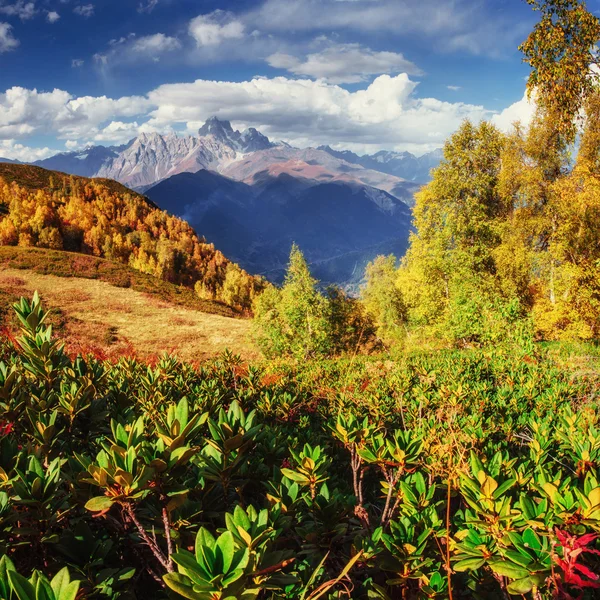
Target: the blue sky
(358, 74)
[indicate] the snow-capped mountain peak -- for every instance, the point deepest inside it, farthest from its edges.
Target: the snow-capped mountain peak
(152, 157)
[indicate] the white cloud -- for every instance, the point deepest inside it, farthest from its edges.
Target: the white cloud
(117, 131)
(456, 25)
(152, 45)
(52, 16)
(84, 10)
(77, 62)
(133, 49)
(521, 111)
(15, 151)
(22, 9)
(24, 112)
(72, 144)
(8, 41)
(213, 28)
(387, 114)
(281, 60)
(304, 112)
(345, 63)
(454, 88)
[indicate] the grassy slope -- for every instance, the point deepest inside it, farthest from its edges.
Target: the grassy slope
(109, 308)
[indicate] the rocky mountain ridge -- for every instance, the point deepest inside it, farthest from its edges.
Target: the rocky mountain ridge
(401, 164)
(152, 157)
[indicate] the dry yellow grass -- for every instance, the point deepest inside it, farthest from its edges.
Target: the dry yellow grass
(95, 315)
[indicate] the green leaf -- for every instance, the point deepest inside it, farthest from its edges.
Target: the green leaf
(502, 488)
(227, 546)
(232, 577)
(70, 592)
(204, 544)
(182, 585)
(520, 586)
(367, 455)
(194, 570)
(508, 569)
(294, 476)
(241, 518)
(60, 582)
(99, 503)
(469, 564)
(532, 539)
(21, 586)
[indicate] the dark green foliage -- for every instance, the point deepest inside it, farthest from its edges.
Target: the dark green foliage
(296, 479)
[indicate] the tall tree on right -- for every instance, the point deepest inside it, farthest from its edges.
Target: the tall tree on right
(563, 202)
(561, 51)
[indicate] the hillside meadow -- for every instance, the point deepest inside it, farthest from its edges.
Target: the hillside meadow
(110, 310)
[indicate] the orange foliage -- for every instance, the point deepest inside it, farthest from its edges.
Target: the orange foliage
(88, 216)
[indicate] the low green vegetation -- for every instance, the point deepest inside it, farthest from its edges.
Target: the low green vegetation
(465, 463)
(458, 474)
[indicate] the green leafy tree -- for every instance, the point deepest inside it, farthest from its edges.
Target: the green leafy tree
(352, 328)
(449, 274)
(294, 321)
(383, 299)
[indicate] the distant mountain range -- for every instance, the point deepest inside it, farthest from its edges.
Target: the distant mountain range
(339, 225)
(252, 197)
(401, 164)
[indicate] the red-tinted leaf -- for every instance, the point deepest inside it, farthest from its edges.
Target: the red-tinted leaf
(585, 571)
(585, 540)
(582, 583)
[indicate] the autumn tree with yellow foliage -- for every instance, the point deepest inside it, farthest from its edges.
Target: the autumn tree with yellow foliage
(508, 231)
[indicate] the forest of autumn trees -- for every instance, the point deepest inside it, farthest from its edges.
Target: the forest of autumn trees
(507, 234)
(83, 215)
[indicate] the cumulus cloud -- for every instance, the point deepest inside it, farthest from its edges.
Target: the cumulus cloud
(386, 114)
(22, 9)
(214, 28)
(521, 111)
(152, 45)
(13, 150)
(52, 16)
(24, 112)
(84, 10)
(8, 41)
(344, 63)
(117, 131)
(135, 49)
